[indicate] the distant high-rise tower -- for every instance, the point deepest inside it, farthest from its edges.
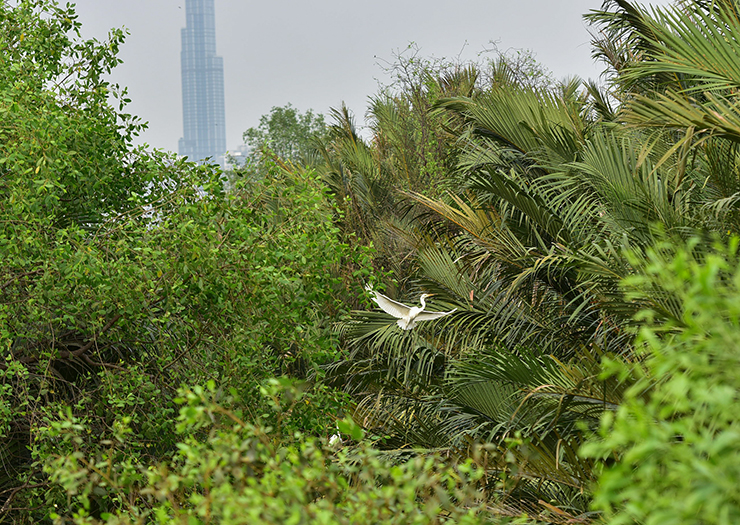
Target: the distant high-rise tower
(203, 111)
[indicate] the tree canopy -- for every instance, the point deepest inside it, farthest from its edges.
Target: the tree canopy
(176, 349)
(287, 134)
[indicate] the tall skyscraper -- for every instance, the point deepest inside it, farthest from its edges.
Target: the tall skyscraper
(203, 113)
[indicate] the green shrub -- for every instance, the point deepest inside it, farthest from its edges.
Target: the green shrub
(675, 442)
(243, 473)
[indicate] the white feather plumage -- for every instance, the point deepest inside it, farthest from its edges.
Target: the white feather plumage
(407, 316)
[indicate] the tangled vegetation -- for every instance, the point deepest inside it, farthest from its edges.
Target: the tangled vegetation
(183, 346)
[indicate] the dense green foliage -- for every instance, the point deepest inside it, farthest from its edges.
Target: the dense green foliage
(677, 433)
(124, 274)
(550, 187)
(246, 474)
(179, 349)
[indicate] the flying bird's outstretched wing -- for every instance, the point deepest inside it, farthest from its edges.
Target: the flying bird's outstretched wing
(388, 305)
(429, 316)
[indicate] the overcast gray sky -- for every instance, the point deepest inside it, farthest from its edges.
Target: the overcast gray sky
(316, 54)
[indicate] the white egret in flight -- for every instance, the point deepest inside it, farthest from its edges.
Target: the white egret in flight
(407, 316)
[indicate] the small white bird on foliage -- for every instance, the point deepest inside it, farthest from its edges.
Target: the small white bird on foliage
(336, 441)
(407, 316)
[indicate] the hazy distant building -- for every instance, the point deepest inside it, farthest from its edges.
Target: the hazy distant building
(203, 112)
(237, 158)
